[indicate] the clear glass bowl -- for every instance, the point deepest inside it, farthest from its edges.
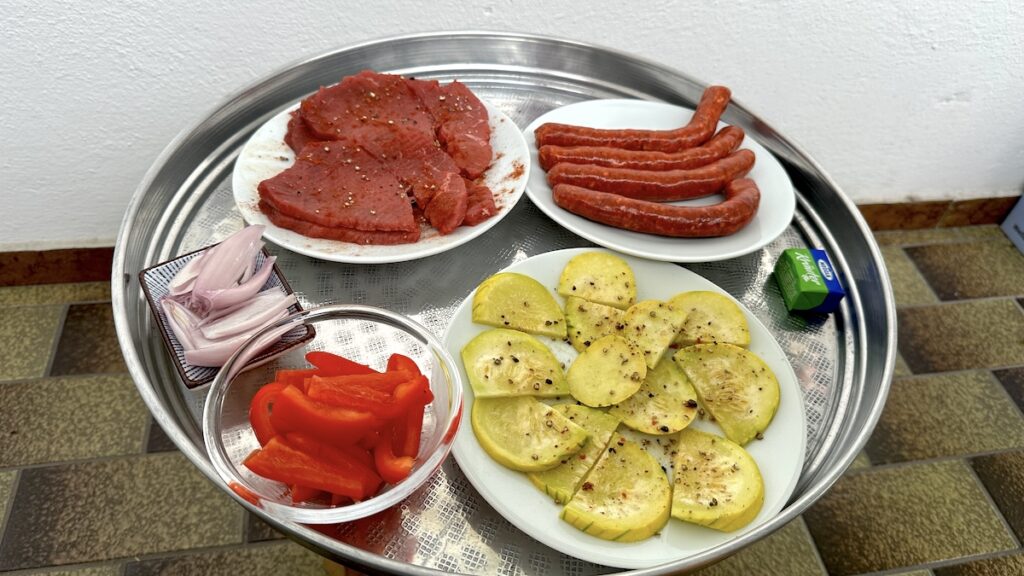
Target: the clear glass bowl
(361, 333)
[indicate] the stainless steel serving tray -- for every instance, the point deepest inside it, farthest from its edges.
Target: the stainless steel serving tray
(844, 362)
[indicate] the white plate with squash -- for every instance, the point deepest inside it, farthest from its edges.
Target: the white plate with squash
(528, 499)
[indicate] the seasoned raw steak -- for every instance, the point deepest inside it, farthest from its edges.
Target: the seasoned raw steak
(298, 134)
(338, 183)
(366, 99)
(460, 122)
(480, 203)
(337, 232)
(415, 159)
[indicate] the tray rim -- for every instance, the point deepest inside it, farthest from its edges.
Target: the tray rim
(120, 284)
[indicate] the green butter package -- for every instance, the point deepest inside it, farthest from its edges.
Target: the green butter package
(808, 281)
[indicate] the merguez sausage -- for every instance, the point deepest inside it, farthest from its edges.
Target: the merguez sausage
(741, 201)
(696, 132)
(666, 186)
(727, 140)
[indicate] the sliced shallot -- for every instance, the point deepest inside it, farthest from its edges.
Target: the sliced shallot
(216, 353)
(255, 315)
(203, 301)
(224, 266)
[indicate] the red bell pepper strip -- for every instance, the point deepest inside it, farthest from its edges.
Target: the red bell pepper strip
(393, 469)
(303, 493)
(384, 382)
(399, 363)
(334, 365)
(295, 412)
(406, 440)
(283, 463)
(259, 411)
(294, 377)
(357, 462)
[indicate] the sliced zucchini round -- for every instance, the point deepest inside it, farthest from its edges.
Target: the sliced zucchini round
(503, 362)
(665, 403)
(651, 326)
(587, 321)
(626, 497)
(734, 385)
(524, 434)
(607, 372)
(562, 481)
(599, 277)
(715, 482)
(518, 302)
(712, 318)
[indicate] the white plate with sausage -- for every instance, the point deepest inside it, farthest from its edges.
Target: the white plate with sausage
(774, 214)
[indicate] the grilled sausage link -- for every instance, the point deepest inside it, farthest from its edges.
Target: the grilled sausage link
(696, 132)
(666, 186)
(727, 140)
(728, 217)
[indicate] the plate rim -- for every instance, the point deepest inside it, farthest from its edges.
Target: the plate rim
(273, 232)
(565, 219)
(536, 532)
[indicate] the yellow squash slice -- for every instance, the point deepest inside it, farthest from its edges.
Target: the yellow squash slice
(665, 403)
(715, 482)
(518, 302)
(587, 321)
(606, 373)
(524, 434)
(599, 277)
(734, 385)
(503, 362)
(651, 326)
(562, 481)
(710, 318)
(626, 497)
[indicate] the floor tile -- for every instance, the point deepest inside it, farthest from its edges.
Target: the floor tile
(903, 216)
(88, 343)
(101, 570)
(27, 335)
(6, 491)
(270, 559)
(901, 370)
(54, 266)
(1003, 475)
(158, 440)
(971, 269)
(258, 531)
(938, 235)
(908, 286)
(1013, 381)
(55, 419)
(1012, 565)
(883, 519)
(976, 334)
(945, 415)
(54, 293)
(788, 551)
(978, 211)
(115, 508)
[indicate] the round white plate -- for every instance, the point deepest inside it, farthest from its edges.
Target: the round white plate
(779, 455)
(778, 200)
(266, 154)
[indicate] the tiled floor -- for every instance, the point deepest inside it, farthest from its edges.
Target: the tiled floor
(89, 486)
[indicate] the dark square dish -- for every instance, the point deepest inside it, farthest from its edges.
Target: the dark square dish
(154, 282)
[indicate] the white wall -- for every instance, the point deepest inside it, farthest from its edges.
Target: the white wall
(897, 103)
